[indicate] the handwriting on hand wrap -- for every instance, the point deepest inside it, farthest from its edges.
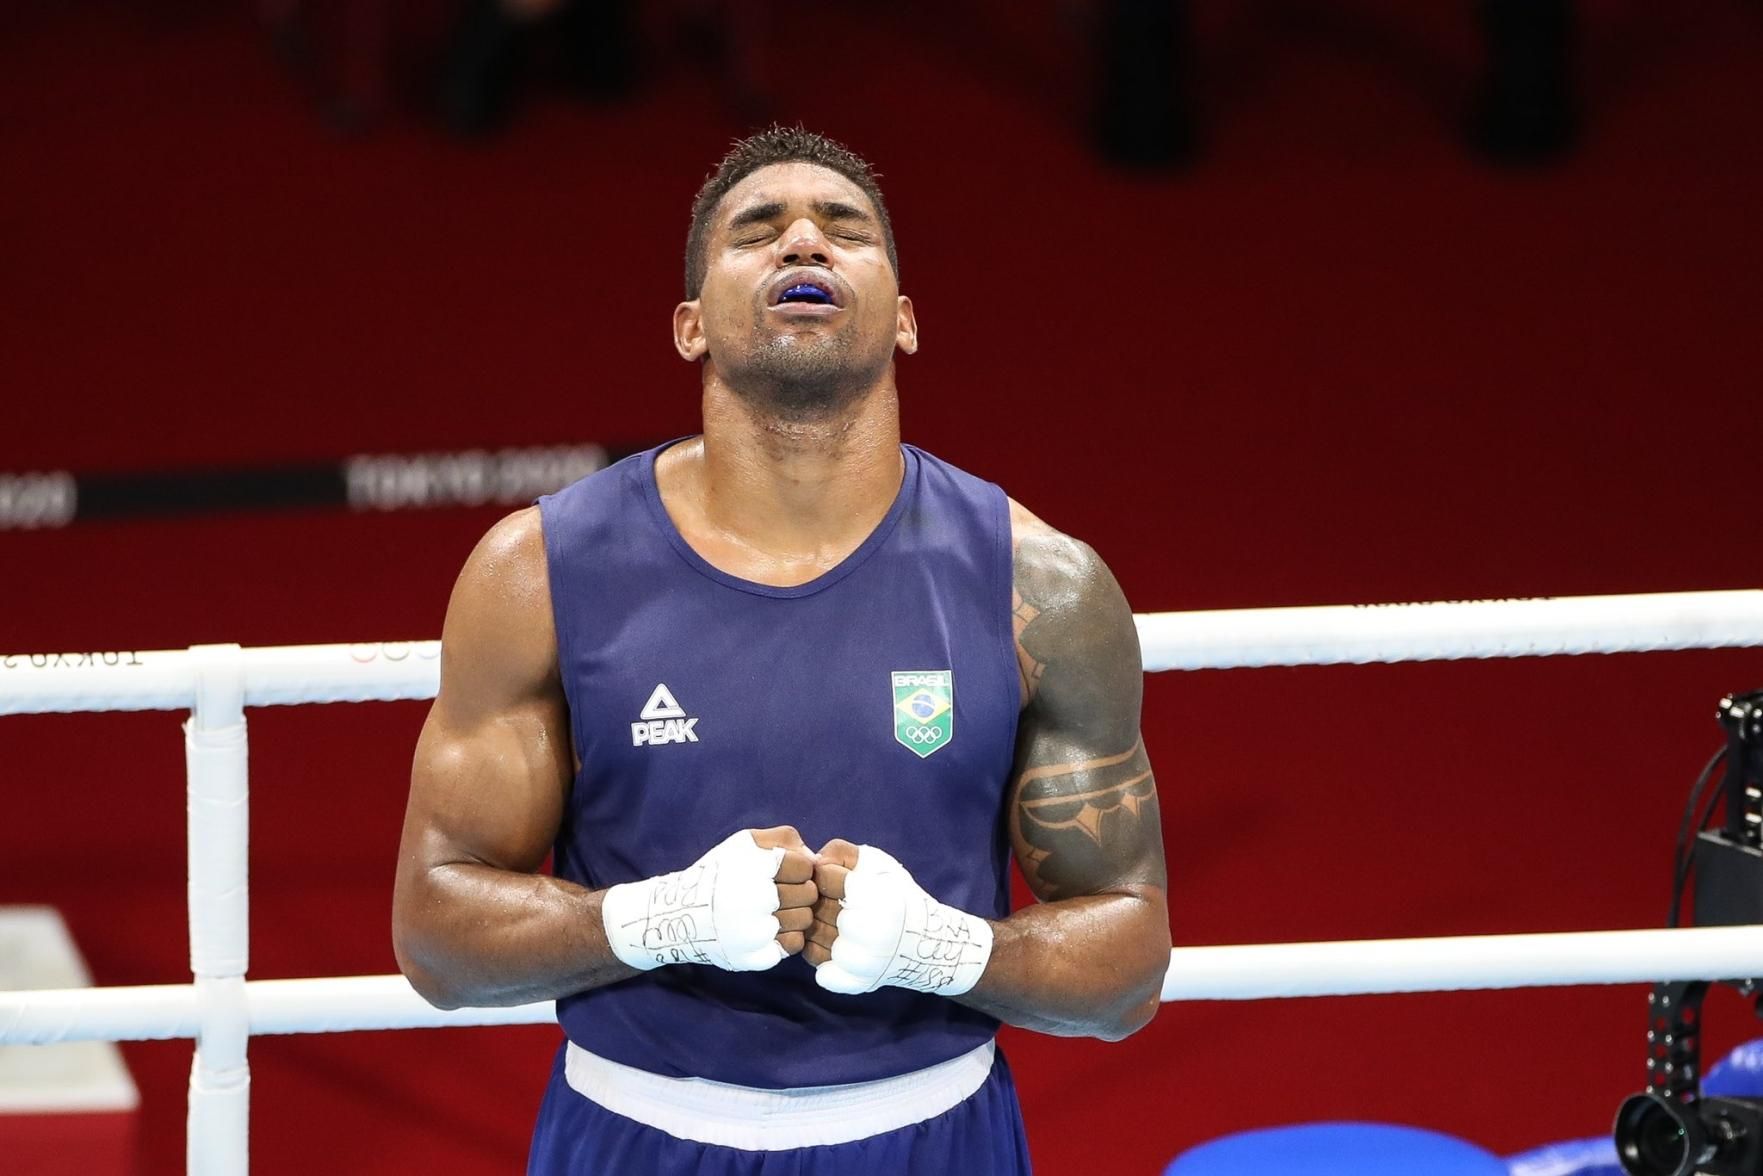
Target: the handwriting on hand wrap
(927, 959)
(678, 904)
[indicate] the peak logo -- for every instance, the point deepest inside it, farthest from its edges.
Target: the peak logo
(663, 720)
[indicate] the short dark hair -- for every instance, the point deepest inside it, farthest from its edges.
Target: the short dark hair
(777, 144)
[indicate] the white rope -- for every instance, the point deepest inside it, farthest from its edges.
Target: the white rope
(1254, 972)
(52, 1015)
(136, 680)
(159, 1012)
(1450, 631)
(1224, 639)
(368, 1002)
(1370, 966)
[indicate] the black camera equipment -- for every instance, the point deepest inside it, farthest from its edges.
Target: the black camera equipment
(1669, 1129)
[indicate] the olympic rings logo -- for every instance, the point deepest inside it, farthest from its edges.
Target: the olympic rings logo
(394, 651)
(924, 734)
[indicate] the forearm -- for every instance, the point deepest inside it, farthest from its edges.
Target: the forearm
(470, 934)
(1091, 966)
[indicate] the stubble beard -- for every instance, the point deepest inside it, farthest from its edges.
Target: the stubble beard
(799, 380)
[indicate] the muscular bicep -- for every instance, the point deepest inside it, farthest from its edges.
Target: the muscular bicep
(1083, 808)
(491, 792)
(493, 764)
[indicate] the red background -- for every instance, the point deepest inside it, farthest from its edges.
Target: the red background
(1340, 362)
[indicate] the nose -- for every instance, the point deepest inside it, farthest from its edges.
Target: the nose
(804, 244)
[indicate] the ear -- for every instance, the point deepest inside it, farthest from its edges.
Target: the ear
(688, 330)
(905, 326)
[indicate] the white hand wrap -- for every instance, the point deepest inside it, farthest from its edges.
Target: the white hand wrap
(892, 932)
(721, 910)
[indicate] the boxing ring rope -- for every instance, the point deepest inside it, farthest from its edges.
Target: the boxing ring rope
(1363, 967)
(221, 1010)
(1212, 640)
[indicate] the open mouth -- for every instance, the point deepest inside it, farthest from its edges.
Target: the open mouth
(806, 290)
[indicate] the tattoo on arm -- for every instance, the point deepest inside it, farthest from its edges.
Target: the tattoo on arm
(1080, 828)
(1022, 615)
(1083, 817)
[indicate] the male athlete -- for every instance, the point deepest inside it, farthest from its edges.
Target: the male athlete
(782, 698)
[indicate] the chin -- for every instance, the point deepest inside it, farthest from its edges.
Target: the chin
(796, 382)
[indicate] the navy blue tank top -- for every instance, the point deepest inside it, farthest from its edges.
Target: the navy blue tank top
(877, 702)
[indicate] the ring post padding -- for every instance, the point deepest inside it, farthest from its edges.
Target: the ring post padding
(218, 1130)
(218, 1127)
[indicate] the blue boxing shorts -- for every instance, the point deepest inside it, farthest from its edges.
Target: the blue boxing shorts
(600, 1118)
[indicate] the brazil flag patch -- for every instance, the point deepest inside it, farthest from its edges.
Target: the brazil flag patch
(924, 710)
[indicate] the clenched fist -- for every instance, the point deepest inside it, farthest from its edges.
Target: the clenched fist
(742, 907)
(874, 925)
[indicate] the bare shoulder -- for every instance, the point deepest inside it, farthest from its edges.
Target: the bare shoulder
(500, 640)
(1067, 607)
(509, 561)
(1052, 567)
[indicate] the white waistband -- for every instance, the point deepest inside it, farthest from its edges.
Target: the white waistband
(755, 1119)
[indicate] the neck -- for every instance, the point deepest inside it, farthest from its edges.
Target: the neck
(802, 484)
